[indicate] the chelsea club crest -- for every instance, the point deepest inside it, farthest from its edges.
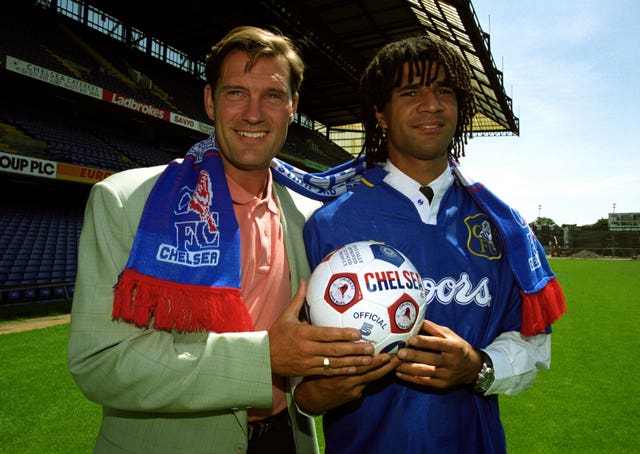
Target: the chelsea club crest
(481, 239)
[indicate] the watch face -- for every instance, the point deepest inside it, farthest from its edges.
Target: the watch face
(485, 379)
(488, 377)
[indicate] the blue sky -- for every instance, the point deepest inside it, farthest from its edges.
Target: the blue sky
(572, 69)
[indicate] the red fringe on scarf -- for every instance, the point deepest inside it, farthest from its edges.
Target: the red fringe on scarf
(187, 308)
(541, 309)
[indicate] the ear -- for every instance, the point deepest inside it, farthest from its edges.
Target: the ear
(294, 107)
(208, 102)
(381, 119)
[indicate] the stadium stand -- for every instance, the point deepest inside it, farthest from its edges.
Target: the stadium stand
(39, 230)
(41, 218)
(56, 77)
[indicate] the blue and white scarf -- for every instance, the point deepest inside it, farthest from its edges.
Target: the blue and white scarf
(183, 271)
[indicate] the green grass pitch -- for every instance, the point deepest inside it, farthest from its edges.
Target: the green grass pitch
(588, 402)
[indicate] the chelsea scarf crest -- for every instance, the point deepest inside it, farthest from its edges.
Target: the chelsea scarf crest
(183, 271)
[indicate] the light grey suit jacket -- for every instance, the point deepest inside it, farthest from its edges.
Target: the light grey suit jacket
(167, 392)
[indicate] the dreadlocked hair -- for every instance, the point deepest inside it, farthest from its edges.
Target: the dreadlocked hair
(425, 54)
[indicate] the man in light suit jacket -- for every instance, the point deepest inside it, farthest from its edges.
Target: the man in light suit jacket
(166, 389)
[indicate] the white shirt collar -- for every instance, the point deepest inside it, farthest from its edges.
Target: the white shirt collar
(411, 189)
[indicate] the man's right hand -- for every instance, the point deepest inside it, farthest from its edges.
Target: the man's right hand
(299, 349)
(315, 395)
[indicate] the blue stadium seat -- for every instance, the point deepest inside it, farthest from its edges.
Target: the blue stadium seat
(29, 278)
(14, 279)
(13, 296)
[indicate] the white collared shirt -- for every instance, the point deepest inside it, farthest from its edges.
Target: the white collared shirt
(411, 188)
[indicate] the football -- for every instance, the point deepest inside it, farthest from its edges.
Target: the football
(370, 286)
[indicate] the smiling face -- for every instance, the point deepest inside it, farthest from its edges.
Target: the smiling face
(252, 109)
(420, 118)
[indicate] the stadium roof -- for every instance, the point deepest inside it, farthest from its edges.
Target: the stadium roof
(337, 39)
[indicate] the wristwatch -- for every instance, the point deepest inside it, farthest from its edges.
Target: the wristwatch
(486, 376)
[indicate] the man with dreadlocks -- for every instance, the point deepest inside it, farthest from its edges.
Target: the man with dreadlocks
(491, 295)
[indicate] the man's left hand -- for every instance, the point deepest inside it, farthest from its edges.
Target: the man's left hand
(440, 358)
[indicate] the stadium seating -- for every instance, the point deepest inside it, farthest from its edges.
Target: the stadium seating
(38, 253)
(40, 222)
